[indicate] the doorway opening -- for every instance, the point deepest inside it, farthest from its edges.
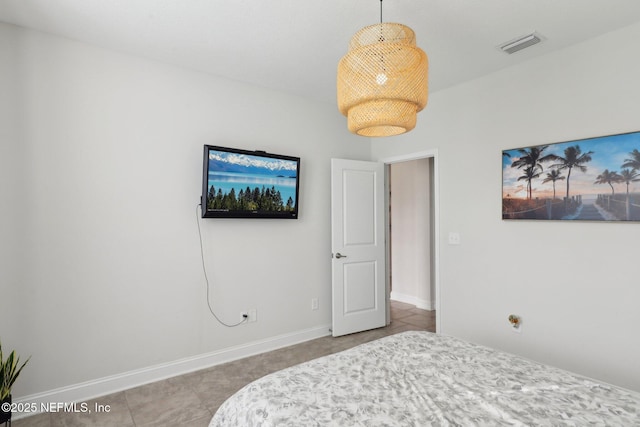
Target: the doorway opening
(411, 243)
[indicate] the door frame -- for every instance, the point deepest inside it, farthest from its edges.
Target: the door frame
(433, 153)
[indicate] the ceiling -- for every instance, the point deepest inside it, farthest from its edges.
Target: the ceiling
(295, 45)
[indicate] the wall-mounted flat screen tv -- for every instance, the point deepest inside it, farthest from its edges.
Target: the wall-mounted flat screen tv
(249, 184)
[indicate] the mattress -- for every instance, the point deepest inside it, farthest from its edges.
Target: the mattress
(424, 379)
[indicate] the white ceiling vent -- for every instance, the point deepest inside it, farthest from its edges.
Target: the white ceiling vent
(520, 43)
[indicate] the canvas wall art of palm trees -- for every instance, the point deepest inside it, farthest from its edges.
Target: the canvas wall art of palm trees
(593, 179)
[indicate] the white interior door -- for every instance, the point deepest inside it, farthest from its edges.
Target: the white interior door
(357, 245)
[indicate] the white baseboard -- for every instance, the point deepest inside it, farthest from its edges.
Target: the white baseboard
(102, 386)
(410, 299)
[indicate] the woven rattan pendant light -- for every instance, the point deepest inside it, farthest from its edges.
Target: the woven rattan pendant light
(382, 80)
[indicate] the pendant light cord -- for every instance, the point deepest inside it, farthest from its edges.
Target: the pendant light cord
(381, 11)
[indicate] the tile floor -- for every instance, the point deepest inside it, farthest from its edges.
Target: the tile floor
(191, 399)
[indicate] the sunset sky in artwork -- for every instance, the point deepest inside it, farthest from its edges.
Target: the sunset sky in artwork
(609, 152)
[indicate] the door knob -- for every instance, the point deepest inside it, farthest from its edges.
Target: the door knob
(339, 255)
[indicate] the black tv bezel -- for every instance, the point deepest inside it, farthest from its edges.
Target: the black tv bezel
(245, 214)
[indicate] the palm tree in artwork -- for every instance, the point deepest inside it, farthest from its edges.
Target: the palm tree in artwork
(553, 176)
(531, 160)
(634, 161)
(529, 174)
(573, 158)
(608, 177)
(628, 176)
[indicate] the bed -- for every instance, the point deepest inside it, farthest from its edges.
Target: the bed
(422, 379)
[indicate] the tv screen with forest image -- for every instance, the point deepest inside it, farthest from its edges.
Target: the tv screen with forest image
(249, 184)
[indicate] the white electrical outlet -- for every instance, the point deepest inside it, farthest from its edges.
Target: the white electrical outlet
(454, 238)
(314, 303)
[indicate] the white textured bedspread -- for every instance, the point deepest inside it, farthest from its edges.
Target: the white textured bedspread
(424, 379)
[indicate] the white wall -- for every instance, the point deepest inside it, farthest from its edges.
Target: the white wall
(11, 207)
(100, 170)
(410, 232)
(574, 284)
